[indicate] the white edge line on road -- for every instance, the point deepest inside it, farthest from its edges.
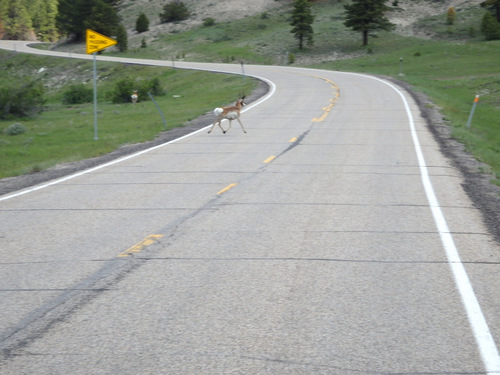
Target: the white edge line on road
(272, 89)
(484, 339)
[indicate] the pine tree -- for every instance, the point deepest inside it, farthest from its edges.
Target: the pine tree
(43, 14)
(367, 16)
(103, 19)
(75, 16)
(71, 17)
(17, 23)
(490, 27)
(174, 11)
(494, 7)
(142, 23)
(121, 37)
(1, 26)
(302, 20)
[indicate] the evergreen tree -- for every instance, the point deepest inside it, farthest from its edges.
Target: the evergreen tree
(75, 16)
(302, 20)
(490, 27)
(1, 26)
(142, 23)
(71, 17)
(367, 16)
(28, 19)
(17, 23)
(121, 37)
(43, 15)
(103, 19)
(494, 7)
(174, 11)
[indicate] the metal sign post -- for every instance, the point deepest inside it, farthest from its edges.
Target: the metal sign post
(95, 98)
(97, 42)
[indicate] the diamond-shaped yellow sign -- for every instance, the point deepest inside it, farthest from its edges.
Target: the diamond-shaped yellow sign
(97, 42)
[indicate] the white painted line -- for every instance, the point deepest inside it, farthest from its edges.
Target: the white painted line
(481, 331)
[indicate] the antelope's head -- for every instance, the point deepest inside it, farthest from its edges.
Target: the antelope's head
(240, 102)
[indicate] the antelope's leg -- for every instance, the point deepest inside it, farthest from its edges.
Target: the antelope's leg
(212, 128)
(220, 126)
(244, 131)
(229, 127)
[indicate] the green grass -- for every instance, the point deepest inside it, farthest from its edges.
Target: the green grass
(451, 74)
(66, 133)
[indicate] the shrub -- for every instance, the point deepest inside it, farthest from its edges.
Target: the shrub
(15, 129)
(77, 94)
(122, 91)
(174, 11)
(26, 99)
(451, 16)
(208, 22)
(124, 88)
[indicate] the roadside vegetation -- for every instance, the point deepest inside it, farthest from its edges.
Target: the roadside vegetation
(64, 130)
(452, 62)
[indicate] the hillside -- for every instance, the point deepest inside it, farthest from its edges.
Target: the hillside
(409, 12)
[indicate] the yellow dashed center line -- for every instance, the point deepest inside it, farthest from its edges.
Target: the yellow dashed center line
(230, 186)
(269, 159)
(138, 247)
(332, 101)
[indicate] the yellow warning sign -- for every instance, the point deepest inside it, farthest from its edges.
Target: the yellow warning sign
(97, 42)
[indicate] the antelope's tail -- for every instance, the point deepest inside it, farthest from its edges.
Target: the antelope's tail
(218, 111)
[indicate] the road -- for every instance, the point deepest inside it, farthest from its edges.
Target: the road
(332, 238)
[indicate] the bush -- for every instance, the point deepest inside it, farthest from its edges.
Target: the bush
(15, 129)
(125, 87)
(174, 11)
(26, 99)
(208, 22)
(451, 15)
(77, 94)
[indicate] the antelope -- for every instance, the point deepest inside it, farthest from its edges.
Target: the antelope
(134, 97)
(229, 113)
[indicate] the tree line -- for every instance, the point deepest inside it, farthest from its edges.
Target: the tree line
(28, 19)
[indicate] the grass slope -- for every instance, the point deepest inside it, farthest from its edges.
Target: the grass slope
(66, 133)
